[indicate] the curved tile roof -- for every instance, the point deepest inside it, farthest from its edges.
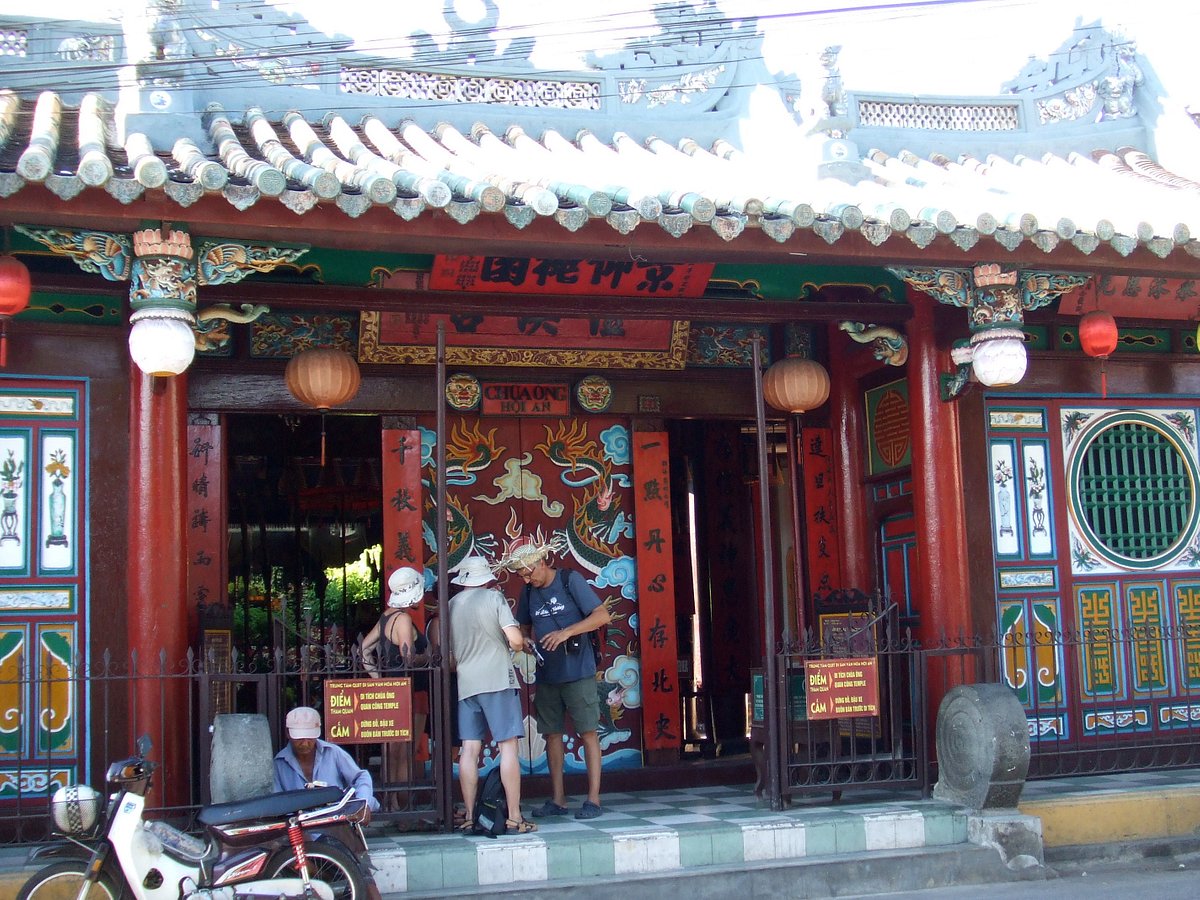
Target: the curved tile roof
(1122, 198)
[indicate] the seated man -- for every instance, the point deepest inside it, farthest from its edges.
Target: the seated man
(307, 759)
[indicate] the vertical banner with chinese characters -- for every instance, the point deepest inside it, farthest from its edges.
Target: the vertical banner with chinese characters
(402, 541)
(206, 514)
(820, 507)
(656, 592)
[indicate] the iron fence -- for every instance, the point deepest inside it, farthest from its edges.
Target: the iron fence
(855, 712)
(111, 702)
(1096, 701)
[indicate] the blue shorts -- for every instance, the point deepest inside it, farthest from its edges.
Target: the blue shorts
(497, 712)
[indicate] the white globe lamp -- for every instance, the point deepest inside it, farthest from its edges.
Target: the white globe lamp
(998, 356)
(161, 340)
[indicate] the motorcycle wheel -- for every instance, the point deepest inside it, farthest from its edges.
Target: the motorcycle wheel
(327, 863)
(62, 880)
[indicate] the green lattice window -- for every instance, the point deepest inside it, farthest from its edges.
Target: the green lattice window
(1135, 491)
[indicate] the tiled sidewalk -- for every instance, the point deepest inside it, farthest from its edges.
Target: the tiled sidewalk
(651, 832)
(670, 831)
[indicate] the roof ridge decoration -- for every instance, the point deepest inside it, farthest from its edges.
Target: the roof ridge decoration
(1099, 65)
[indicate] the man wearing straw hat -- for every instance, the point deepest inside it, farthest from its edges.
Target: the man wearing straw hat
(560, 614)
(483, 634)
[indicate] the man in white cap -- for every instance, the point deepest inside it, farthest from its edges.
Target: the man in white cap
(307, 759)
(483, 634)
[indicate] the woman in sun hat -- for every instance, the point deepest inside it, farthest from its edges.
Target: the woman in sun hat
(390, 649)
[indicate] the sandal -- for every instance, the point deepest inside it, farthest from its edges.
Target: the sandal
(519, 826)
(460, 816)
(467, 827)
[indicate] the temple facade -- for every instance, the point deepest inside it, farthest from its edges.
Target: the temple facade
(556, 292)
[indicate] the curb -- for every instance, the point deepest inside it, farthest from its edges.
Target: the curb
(829, 876)
(1115, 817)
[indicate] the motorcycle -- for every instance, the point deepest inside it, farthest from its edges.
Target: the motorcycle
(294, 844)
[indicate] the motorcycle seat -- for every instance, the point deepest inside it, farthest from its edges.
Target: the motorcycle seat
(272, 806)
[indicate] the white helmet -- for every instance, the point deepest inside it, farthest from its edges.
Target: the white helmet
(407, 585)
(75, 808)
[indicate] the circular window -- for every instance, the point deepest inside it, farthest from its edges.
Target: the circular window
(1133, 487)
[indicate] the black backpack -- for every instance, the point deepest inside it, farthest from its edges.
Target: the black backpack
(491, 807)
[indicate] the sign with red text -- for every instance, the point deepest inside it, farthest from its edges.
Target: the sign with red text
(512, 399)
(525, 275)
(594, 342)
(842, 688)
(820, 507)
(403, 543)
(656, 591)
(207, 540)
(377, 710)
(1135, 297)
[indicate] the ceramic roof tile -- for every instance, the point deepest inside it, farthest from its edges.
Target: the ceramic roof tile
(1124, 198)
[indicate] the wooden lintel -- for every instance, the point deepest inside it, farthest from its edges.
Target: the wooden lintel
(334, 298)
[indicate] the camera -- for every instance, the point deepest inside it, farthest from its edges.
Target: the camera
(573, 644)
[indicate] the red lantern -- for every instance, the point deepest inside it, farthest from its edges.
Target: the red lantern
(15, 288)
(1098, 337)
(1098, 333)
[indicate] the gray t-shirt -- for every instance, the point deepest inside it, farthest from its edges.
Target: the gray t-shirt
(478, 617)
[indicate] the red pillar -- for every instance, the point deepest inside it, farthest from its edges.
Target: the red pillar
(845, 419)
(941, 589)
(157, 575)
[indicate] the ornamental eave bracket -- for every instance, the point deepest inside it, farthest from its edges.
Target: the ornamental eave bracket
(112, 256)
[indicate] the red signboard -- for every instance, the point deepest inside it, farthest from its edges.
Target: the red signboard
(206, 537)
(403, 543)
(820, 508)
(378, 710)
(656, 591)
(529, 332)
(614, 278)
(544, 340)
(1136, 297)
(842, 688)
(503, 398)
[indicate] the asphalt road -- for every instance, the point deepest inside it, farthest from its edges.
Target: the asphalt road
(1160, 879)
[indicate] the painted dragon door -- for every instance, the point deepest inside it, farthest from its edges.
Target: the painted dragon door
(571, 478)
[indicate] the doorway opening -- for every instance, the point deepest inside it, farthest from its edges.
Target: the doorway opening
(304, 538)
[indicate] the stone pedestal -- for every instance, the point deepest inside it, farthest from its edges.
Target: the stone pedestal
(982, 747)
(1017, 838)
(242, 758)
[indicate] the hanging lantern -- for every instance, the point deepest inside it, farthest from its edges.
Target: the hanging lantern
(998, 356)
(1098, 333)
(796, 385)
(322, 378)
(1098, 337)
(15, 288)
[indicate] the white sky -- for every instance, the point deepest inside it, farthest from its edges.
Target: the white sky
(926, 46)
(948, 47)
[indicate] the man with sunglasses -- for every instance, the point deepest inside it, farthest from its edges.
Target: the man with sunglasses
(556, 618)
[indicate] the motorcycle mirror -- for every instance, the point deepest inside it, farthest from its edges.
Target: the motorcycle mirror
(143, 745)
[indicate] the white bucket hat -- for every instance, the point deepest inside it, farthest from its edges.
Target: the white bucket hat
(407, 585)
(473, 572)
